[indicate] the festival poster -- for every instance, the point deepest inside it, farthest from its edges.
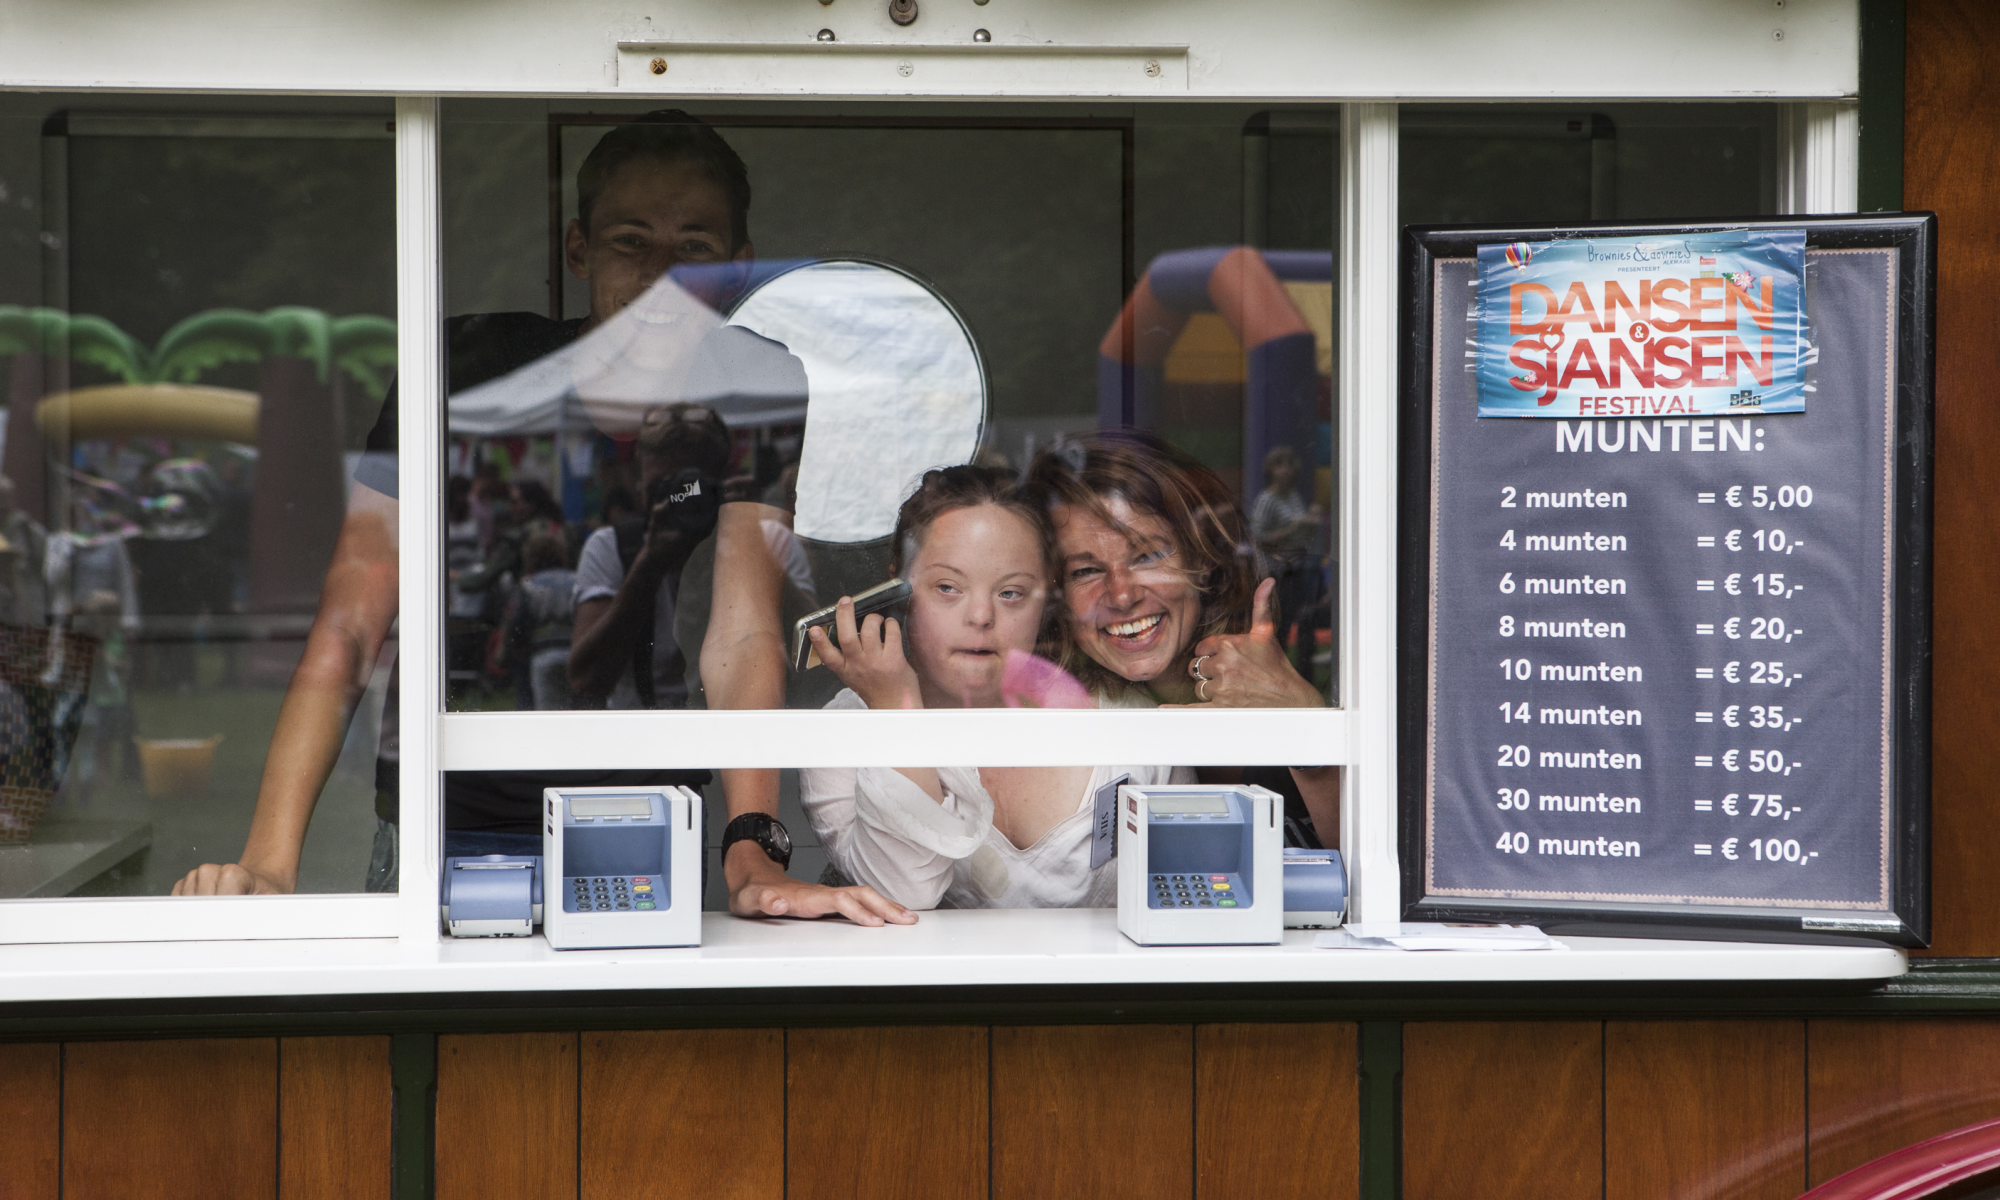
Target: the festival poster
(1705, 325)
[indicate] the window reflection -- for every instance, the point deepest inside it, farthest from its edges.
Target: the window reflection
(195, 314)
(991, 332)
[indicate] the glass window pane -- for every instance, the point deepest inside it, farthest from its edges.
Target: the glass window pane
(197, 317)
(1534, 164)
(702, 362)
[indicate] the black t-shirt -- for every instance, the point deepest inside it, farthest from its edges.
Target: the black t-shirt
(482, 347)
(479, 348)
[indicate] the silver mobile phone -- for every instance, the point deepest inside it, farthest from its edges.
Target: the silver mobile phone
(882, 596)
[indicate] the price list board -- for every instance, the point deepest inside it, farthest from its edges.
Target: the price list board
(1667, 670)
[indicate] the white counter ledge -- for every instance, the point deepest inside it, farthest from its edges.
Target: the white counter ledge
(945, 949)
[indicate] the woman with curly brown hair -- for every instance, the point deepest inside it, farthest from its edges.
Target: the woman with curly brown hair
(1156, 572)
(1159, 592)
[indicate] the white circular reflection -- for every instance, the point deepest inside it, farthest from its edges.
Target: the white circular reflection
(895, 383)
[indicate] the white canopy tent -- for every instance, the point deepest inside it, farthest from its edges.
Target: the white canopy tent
(895, 382)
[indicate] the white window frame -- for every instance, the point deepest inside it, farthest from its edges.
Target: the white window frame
(1817, 174)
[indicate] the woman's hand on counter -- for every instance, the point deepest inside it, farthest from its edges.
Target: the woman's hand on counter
(228, 879)
(759, 887)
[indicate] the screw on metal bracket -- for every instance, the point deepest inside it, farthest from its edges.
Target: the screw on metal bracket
(981, 35)
(903, 12)
(826, 35)
(659, 66)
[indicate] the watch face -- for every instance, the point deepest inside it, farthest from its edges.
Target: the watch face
(779, 839)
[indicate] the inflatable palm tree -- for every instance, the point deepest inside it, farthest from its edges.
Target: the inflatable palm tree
(362, 346)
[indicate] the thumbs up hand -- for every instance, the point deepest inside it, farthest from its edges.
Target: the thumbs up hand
(1250, 670)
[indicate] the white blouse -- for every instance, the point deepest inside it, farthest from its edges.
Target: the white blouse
(883, 830)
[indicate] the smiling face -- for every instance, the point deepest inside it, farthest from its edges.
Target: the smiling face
(1131, 605)
(651, 216)
(977, 590)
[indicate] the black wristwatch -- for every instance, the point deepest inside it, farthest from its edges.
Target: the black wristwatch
(765, 830)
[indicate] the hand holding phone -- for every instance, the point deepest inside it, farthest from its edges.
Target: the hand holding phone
(878, 599)
(868, 657)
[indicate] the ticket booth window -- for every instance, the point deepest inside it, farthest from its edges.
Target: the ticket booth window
(198, 321)
(1013, 300)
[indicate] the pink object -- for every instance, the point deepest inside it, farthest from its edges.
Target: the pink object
(1031, 681)
(1923, 1169)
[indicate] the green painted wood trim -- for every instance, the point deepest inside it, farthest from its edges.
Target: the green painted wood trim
(1879, 185)
(413, 1148)
(1381, 1110)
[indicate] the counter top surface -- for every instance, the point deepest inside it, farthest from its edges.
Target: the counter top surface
(1034, 947)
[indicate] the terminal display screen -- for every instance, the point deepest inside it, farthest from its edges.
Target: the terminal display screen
(610, 806)
(1179, 806)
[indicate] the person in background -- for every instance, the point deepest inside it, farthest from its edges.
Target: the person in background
(24, 592)
(537, 624)
(623, 653)
(464, 611)
(1284, 529)
(530, 509)
(657, 192)
(93, 589)
(489, 500)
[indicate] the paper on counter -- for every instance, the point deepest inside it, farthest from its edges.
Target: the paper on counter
(1426, 935)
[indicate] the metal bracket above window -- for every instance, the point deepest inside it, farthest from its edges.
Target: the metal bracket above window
(881, 68)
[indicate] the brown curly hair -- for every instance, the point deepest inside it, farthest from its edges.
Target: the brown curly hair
(1156, 478)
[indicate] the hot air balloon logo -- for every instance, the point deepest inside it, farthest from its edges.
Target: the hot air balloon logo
(1519, 253)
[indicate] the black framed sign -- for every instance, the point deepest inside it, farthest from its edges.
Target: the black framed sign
(1664, 654)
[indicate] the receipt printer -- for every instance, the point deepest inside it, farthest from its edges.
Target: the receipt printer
(1315, 889)
(1200, 865)
(625, 864)
(498, 895)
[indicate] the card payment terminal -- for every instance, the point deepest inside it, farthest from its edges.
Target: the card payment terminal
(1200, 865)
(625, 867)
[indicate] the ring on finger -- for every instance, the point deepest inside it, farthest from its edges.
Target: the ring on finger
(1201, 690)
(1194, 668)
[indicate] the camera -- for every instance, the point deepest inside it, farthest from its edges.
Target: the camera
(693, 497)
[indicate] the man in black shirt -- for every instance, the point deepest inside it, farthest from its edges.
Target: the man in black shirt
(660, 192)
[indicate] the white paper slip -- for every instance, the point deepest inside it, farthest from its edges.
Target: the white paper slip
(1426, 935)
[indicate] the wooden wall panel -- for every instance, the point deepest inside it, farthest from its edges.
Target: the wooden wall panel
(334, 1118)
(506, 1116)
(170, 1119)
(1503, 1110)
(1704, 1110)
(31, 1118)
(1105, 1111)
(925, 1133)
(1277, 1111)
(1951, 165)
(1877, 1086)
(687, 1113)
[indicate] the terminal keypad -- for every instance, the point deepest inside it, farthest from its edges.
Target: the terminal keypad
(1195, 892)
(610, 893)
